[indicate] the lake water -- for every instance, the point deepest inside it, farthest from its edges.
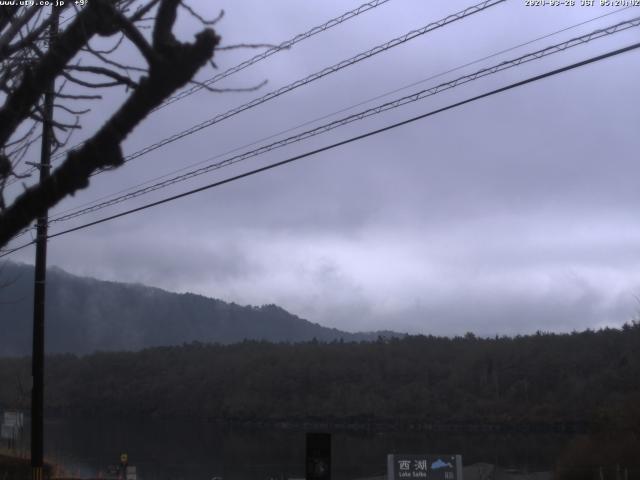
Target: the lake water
(189, 450)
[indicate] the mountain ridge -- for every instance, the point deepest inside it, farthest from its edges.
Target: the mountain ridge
(85, 314)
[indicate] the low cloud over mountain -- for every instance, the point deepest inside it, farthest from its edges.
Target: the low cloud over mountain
(85, 315)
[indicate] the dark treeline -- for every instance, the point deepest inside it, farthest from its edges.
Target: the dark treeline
(591, 377)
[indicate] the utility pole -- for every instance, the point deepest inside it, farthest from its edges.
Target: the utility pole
(37, 359)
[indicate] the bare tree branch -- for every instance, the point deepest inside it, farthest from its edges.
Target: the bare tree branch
(163, 38)
(141, 12)
(171, 65)
(24, 41)
(134, 35)
(69, 110)
(87, 84)
(16, 26)
(105, 52)
(120, 79)
(78, 97)
(196, 15)
(62, 50)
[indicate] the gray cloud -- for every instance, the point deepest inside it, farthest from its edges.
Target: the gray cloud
(512, 214)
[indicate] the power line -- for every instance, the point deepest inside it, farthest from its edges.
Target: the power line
(345, 142)
(359, 137)
(342, 110)
(365, 7)
(316, 76)
(4, 253)
(360, 115)
(313, 77)
(375, 110)
(473, 62)
(552, 49)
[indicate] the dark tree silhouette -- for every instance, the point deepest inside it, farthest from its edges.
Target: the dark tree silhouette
(547, 382)
(31, 59)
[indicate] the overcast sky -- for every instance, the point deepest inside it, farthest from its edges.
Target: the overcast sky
(515, 213)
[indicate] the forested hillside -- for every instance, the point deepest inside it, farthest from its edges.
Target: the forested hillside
(544, 379)
(85, 315)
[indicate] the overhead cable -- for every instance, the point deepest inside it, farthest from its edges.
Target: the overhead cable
(342, 110)
(365, 7)
(287, 44)
(341, 143)
(479, 7)
(317, 75)
(422, 94)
